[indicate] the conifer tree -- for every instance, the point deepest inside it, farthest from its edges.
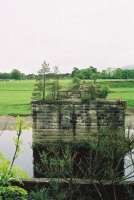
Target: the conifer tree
(39, 92)
(56, 71)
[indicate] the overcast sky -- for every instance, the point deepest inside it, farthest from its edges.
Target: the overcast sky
(66, 33)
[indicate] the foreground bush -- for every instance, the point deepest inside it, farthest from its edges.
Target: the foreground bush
(39, 195)
(13, 193)
(52, 192)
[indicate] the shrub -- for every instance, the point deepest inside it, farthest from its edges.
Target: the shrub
(103, 92)
(5, 176)
(13, 193)
(94, 92)
(76, 83)
(53, 192)
(39, 195)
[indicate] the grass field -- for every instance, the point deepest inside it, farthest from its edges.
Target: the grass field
(15, 96)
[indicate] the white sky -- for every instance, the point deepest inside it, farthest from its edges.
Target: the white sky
(67, 33)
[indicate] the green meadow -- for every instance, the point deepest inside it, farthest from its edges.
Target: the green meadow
(15, 96)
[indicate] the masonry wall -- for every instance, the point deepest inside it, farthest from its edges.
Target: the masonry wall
(74, 124)
(69, 120)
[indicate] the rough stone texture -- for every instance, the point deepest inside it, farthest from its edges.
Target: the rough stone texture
(74, 124)
(69, 120)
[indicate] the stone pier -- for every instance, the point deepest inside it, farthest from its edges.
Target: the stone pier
(75, 120)
(78, 139)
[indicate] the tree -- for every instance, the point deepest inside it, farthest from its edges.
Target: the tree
(75, 71)
(16, 74)
(43, 71)
(117, 73)
(5, 75)
(37, 92)
(40, 85)
(56, 71)
(31, 76)
(86, 73)
(94, 77)
(76, 83)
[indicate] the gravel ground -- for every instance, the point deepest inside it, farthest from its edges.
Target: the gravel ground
(9, 122)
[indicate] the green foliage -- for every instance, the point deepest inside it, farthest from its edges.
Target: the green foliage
(37, 94)
(102, 154)
(13, 193)
(51, 165)
(103, 92)
(46, 89)
(92, 73)
(15, 174)
(76, 83)
(94, 91)
(9, 172)
(39, 195)
(16, 74)
(5, 178)
(53, 87)
(52, 192)
(87, 73)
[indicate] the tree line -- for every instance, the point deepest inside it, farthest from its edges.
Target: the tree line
(93, 73)
(86, 73)
(16, 74)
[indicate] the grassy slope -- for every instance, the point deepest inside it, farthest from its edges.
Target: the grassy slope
(15, 96)
(122, 90)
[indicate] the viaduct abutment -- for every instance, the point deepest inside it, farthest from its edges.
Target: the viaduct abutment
(69, 120)
(84, 137)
